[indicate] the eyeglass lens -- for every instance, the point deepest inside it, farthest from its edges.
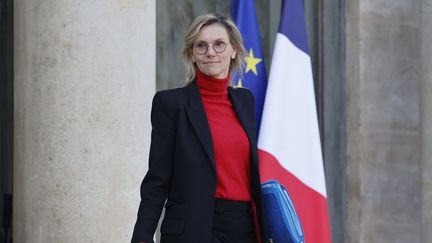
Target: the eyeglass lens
(202, 47)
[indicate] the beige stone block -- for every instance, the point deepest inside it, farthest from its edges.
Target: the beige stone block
(383, 135)
(390, 186)
(389, 64)
(426, 117)
(84, 80)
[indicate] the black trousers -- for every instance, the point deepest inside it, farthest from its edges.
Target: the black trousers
(233, 222)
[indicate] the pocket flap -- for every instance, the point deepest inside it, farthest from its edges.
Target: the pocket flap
(172, 226)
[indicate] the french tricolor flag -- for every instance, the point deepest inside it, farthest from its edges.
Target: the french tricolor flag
(289, 142)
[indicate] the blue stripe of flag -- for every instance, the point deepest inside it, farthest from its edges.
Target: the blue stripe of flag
(244, 15)
(293, 25)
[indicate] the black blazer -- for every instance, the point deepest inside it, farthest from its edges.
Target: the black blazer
(182, 167)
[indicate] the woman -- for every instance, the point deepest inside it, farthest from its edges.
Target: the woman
(203, 156)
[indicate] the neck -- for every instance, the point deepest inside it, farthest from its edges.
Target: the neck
(211, 83)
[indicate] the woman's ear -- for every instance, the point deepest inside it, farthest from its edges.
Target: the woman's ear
(234, 54)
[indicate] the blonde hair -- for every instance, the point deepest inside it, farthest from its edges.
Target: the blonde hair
(237, 64)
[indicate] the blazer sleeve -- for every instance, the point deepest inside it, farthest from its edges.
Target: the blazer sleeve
(156, 183)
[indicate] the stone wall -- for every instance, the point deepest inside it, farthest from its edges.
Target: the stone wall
(383, 121)
(84, 80)
(426, 117)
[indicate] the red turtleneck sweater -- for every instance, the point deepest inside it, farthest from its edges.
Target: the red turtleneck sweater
(230, 142)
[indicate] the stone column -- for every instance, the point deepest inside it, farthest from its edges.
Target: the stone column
(426, 117)
(84, 80)
(383, 121)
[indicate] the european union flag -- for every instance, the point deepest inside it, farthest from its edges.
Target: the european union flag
(254, 76)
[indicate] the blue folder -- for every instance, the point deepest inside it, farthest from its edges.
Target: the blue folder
(283, 223)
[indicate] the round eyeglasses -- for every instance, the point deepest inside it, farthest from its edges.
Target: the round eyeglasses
(202, 47)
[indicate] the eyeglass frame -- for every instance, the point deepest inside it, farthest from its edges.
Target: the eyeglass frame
(208, 45)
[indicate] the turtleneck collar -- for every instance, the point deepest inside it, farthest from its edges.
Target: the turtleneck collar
(212, 84)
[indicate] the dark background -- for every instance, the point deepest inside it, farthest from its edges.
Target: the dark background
(6, 119)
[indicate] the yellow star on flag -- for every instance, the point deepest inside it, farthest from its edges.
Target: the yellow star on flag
(239, 84)
(251, 62)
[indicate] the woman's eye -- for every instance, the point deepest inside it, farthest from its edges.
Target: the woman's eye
(201, 45)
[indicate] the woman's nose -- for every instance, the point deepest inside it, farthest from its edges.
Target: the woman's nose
(210, 51)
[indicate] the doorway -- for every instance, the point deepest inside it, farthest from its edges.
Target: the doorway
(6, 119)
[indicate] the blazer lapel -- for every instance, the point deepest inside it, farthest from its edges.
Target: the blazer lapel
(199, 121)
(247, 123)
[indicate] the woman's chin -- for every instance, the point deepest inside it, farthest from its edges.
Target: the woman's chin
(215, 74)
(210, 73)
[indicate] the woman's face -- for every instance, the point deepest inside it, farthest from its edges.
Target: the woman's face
(213, 62)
